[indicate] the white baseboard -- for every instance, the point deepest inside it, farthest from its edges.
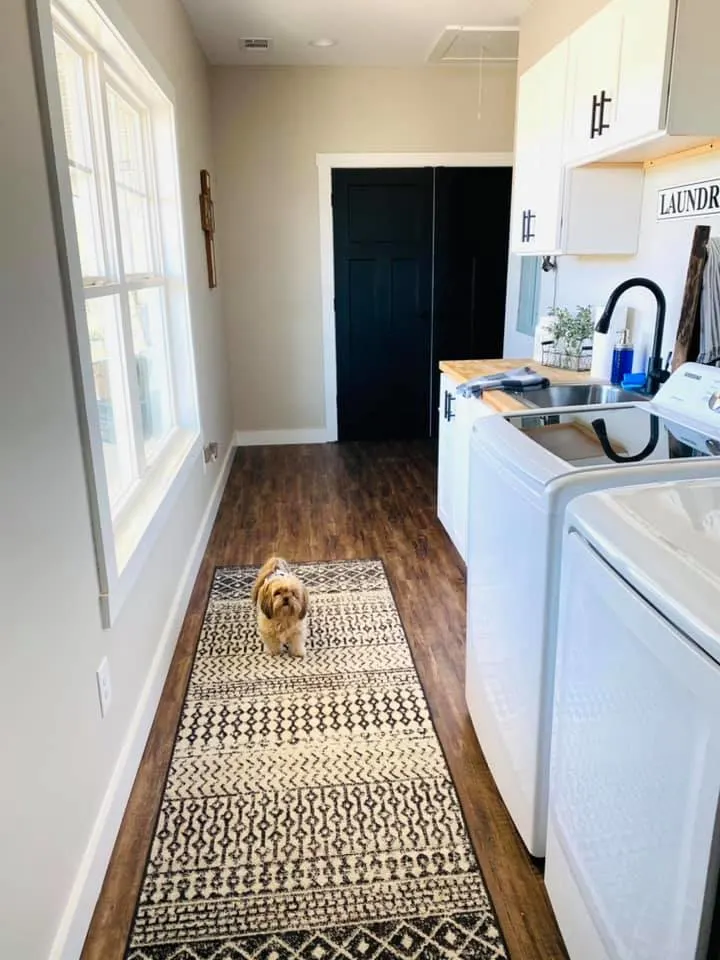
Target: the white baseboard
(78, 912)
(275, 438)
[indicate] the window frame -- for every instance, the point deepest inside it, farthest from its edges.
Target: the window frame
(125, 535)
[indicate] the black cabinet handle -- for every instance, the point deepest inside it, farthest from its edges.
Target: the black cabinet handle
(528, 232)
(445, 408)
(451, 412)
(597, 122)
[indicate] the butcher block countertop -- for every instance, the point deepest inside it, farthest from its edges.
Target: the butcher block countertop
(463, 370)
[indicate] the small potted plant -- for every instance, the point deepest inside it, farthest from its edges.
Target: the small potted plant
(572, 332)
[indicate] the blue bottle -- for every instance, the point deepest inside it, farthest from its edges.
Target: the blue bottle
(622, 358)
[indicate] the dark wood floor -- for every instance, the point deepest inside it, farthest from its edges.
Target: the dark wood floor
(345, 501)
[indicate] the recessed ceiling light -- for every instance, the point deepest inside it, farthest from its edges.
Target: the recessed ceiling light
(323, 42)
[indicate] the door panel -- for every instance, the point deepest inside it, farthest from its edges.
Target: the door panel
(383, 287)
(472, 223)
(539, 173)
(593, 82)
(390, 334)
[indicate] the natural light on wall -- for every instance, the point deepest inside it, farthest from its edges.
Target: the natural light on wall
(113, 156)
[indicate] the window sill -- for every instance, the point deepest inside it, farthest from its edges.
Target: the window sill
(140, 523)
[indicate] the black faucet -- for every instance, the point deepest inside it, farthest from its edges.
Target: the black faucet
(655, 374)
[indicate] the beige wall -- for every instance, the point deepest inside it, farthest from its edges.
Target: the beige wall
(56, 754)
(547, 22)
(268, 126)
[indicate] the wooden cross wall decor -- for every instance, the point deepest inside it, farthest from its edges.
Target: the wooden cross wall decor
(207, 220)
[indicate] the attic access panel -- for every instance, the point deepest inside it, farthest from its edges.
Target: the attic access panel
(476, 45)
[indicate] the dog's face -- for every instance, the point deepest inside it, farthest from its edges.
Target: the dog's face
(283, 598)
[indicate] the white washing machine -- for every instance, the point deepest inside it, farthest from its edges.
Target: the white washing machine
(524, 470)
(632, 852)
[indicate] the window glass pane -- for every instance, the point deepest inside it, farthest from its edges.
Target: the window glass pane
(76, 120)
(126, 129)
(529, 302)
(75, 104)
(151, 360)
(103, 319)
(87, 224)
(127, 133)
(133, 219)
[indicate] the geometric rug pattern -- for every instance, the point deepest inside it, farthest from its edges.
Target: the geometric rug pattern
(309, 813)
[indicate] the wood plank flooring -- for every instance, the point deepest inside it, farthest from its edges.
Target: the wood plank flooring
(345, 501)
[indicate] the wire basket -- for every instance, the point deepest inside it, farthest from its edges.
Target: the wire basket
(554, 357)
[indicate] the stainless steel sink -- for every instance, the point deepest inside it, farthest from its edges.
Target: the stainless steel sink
(577, 395)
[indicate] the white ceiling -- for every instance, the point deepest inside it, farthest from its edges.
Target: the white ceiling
(369, 32)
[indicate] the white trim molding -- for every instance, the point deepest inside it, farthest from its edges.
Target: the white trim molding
(75, 921)
(277, 438)
(326, 163)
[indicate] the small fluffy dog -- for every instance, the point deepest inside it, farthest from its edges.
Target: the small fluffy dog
(281, 601)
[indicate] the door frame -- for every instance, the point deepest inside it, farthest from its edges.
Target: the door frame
(326, 163)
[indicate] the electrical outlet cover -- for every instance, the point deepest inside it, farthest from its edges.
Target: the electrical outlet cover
(104, 686)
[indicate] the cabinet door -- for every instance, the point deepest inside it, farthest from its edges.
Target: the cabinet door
(446, 453)
(593, 83)
(465, 408)
(539, 174)
(647, 35)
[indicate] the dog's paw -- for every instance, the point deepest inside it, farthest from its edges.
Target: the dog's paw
(297, 650)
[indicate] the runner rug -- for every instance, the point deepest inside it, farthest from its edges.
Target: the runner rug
(309, 813)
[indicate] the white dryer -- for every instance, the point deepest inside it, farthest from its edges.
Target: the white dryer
(632, 853)
(524, 470)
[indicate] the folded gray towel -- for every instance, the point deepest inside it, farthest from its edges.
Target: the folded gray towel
(710, 306)
(522, 378)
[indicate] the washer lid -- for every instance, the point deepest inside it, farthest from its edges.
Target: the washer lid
(499, 438)
(664, 539)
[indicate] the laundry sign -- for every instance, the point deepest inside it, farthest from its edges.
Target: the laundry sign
(689, 200)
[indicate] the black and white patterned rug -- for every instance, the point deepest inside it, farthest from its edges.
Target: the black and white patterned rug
(309, 813)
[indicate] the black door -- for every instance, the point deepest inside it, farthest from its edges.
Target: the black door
(472, 226)
(383, 230)
(408, 295)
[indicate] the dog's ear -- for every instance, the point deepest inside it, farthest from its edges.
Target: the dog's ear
(268, 568)
(304, 600)
(266, 600)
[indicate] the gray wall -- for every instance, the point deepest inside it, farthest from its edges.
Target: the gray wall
(57, 755)
(547, 22)
(268, 126)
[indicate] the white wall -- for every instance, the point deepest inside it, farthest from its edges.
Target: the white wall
(56, 754)
(268, 126)
(662, 256)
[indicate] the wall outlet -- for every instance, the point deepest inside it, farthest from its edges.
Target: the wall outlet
(104, 686)
(210, 452)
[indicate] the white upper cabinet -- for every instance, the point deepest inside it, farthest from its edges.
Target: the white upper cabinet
(643, 78)
(593, 80)
(559, 211)
(648, 30)
(538, 177)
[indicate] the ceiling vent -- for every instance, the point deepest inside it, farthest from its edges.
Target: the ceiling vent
(255, 43)
(476, 45)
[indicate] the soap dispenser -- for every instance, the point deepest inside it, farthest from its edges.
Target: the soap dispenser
(622, 359)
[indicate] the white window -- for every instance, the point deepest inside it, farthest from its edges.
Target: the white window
(112, 138)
